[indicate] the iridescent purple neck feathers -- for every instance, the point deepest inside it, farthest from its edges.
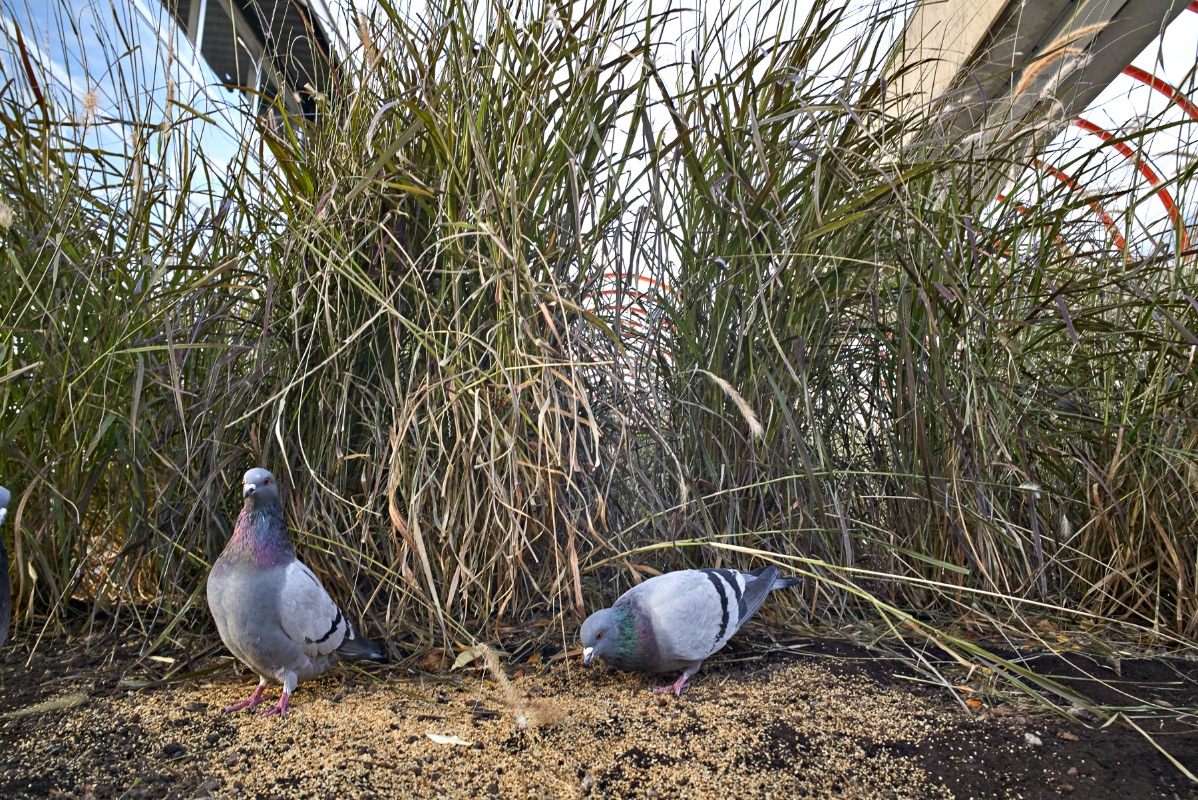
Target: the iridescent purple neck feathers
(260, 536)
(633, 643)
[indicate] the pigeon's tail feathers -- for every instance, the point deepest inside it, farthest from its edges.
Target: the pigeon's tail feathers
(362, 649)
(754, 594)
(779, 583)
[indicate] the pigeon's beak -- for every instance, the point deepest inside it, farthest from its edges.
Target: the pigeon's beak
(247, 489)
(3, 514)
(588, 653)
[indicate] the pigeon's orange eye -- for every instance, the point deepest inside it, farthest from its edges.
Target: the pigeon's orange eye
(266, 481)
(599, 635)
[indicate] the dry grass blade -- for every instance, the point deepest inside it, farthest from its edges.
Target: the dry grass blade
(755, 427)
(528, 712)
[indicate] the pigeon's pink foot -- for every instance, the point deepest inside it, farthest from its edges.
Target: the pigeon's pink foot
(249, 702)
(280, 710)
(676, 687)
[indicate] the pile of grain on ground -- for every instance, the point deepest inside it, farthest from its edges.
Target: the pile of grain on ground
(795, 730)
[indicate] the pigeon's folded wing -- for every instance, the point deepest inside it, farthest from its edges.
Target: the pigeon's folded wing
(687, 618)
(696, 612)
(308, 615)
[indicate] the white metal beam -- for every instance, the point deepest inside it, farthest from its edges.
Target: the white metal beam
(988, 66)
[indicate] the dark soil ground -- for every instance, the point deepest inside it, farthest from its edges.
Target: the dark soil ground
(807, 719)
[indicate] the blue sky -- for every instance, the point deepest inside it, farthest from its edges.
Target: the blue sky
(111, 63)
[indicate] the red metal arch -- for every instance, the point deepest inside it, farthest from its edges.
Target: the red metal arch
(1177, 97)
(1149, 175)
(1117, 237)
(1164, 88)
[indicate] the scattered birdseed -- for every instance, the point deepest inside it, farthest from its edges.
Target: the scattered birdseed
(780, 727)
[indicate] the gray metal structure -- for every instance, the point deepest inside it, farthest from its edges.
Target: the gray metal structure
(265, 47)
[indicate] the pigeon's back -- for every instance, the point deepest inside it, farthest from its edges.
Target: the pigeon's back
(695, 612)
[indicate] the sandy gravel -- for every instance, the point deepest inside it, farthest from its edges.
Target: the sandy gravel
(791, 731)
(815, 720)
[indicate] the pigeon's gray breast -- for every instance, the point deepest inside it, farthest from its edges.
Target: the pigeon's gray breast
(277, 619)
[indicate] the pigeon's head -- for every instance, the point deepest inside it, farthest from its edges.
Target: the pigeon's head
(4, 498)
(602, 635)
(259, 488)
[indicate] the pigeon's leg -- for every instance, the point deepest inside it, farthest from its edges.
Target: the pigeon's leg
(279, 710)
(289, 681)
(677, 686)
(250, 701)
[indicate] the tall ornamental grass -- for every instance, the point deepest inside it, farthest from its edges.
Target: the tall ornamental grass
(538, 307)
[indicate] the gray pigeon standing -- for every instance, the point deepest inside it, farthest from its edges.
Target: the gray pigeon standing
(271, 610)
(675, 621)
(5, 586)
